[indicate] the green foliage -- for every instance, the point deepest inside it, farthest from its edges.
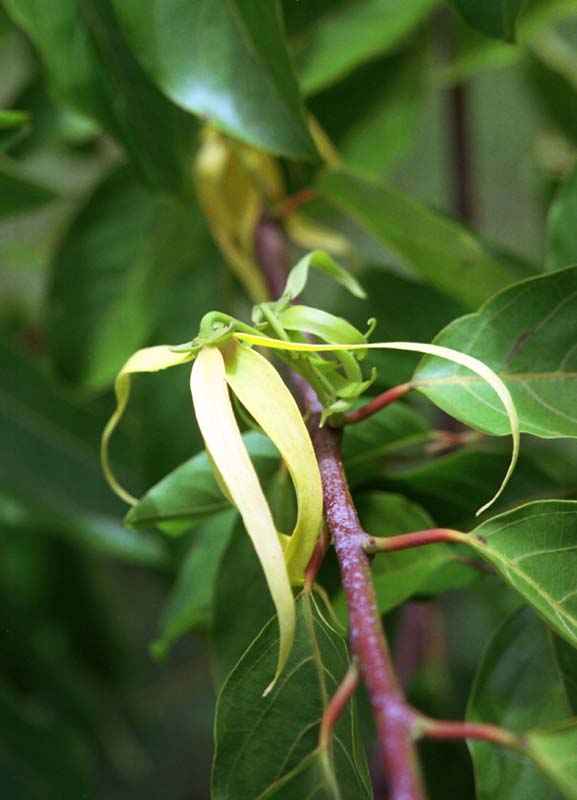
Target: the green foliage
(146, 147)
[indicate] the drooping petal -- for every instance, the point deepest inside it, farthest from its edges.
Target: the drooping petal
(150, 359)
(223, 441)
(447, 353)
(264, 394)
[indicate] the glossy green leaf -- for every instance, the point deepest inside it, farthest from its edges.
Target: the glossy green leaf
(562, 245)
(90, 68)
(534, 548)
(191, 599)
(496, 18)
(19, 193)
(527, 335)
(235, 471)
(261, 741)
(190, 493)
(131, 243)
(439, 249)
(263, 393)
(523, 681)
(348, 35)
(13, 125)
(226, 62)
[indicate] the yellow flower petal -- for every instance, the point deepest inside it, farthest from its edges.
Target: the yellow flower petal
(150, 359)
(447, 353)
(224, 442)
(264, 394)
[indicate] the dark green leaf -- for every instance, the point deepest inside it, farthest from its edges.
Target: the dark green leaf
(190, 493)
(367, 444)
(534, 548)
(191, 600)
(110, 274)
(445, 253)
(261, 740)
(242, 604)
(18, 193)
(496, 18)
(562, 250)
(528, 336)
(227, 62)
(553, 75)
(91, 69)
(520, 684)
(348, 35)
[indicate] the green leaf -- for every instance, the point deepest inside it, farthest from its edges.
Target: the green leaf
(562, 245)
(452, 486)
(404, 574)
(90, 68)
(372, 116)
(347, 35)
(534, 548)
(18, 193)
(13, 125)
(226, 62)
(131, 243)
(552, 71)
(190, 493)
(554, 750)
(445, 253)
(495, 18)
(298, 276)
(241, 604)
(526, 334)
(52, 485)
(367, 444)
(191, 599)
(524, 681)
(260, 741)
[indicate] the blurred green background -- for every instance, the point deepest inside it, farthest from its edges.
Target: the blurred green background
(92, 254)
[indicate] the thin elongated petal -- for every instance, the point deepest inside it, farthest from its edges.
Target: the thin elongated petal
(223, 441)
(447, 353)
(150, 359)
(264, 394)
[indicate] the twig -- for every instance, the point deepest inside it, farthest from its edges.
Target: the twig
(377, 404)
(406, 541)
(338, 703)
(449, 730)
(394, 718)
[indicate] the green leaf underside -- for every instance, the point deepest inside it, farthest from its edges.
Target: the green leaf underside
(190, 493)
(554, 750)
(528, 335)
(439, 249)
(351, 34)
(227, 62)
(525, 680)
(534, 548)
(267, 747)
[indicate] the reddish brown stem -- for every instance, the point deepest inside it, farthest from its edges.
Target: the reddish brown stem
(448, 730)
(388, 544)
(377, 404)
(338, 703)
(393, 717)
(291, 204)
